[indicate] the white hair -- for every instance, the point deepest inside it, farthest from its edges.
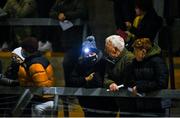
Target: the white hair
(117, 41)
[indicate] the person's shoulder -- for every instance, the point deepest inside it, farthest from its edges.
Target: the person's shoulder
(156, 59)
(129, 54)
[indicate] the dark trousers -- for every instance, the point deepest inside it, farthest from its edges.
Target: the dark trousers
(70, 60)
(65, 40)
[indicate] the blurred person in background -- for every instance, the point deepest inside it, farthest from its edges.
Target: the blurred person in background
(2, 3)
(123, 12)
(44, 7)
(73, 12)
(20, 9)
(4, 30)
(146, 24)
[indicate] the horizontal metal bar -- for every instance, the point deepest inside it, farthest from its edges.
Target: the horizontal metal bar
(30, 22)
(19, 90)
(101, 92)
(96, 92)
(36, 22)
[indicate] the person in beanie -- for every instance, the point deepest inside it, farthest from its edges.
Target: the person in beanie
(88, 58)
(36, 71)
(16, 59)
(10, 78)
(88, 72)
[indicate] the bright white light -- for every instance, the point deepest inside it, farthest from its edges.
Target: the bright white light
(86, 50)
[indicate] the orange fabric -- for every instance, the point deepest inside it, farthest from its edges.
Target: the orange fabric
(37, 76)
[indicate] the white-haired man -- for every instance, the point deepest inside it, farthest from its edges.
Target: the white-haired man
(118, 58)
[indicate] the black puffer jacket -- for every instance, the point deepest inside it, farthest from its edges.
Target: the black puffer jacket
(91, 105)
(149, 74)
(83, 69)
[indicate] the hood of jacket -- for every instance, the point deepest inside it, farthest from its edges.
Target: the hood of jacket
(155, 50)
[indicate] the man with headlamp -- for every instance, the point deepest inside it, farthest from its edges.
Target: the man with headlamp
(88, 72)
(89, 54)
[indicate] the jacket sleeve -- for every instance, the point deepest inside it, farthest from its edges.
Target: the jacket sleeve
(76, 79)
(121, 65)
(129, 76)
(54, 12)
(162, 74)
(79, 12)
(160, 78)
(8, 82)
(39, 76)
(107, 82)
(8, 6)
(28, 7)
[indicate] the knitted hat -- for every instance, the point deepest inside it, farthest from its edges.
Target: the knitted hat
(117, 41)
(17, 51)
(142, 43)
(89, 44)
(30, 44)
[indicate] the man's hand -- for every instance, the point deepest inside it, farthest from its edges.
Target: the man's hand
(134, 91)
(128, 25)
(113, 87)
(61, 17)
(90, 77)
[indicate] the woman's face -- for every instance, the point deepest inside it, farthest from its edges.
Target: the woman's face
(139, 54)
(111, 50)
(138, 11)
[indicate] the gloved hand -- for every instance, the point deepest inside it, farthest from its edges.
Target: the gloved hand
(90, 77)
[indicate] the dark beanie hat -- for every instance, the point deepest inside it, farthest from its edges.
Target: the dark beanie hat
(30, 44)
(90, 43)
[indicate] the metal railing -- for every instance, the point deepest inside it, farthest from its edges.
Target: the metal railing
(26, 94)
(34, 22)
